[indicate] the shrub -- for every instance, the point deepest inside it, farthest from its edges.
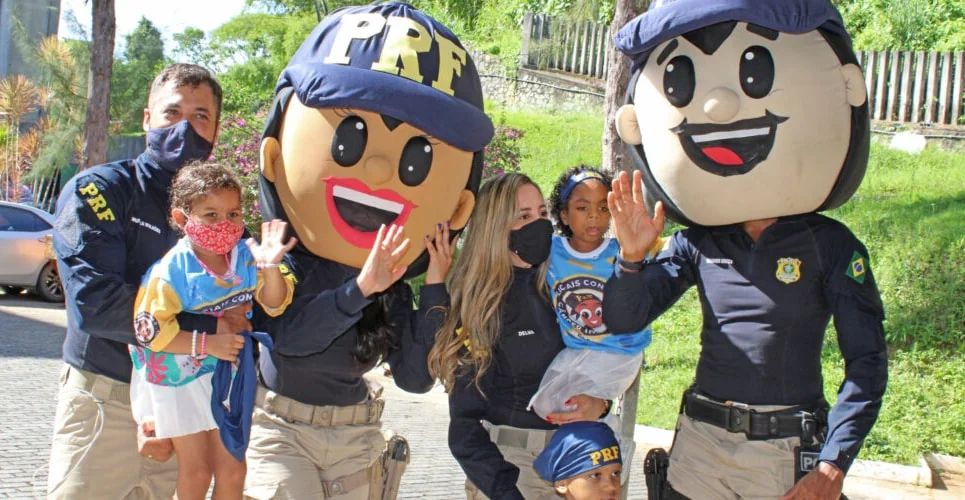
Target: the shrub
(238, 145)
(503, 153)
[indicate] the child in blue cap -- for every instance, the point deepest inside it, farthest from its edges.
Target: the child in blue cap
(583, 462)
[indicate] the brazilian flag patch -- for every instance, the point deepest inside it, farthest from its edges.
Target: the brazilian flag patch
(858, 267)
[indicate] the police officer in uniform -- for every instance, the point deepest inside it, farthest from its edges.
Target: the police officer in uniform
(746, 119)
(112, 225)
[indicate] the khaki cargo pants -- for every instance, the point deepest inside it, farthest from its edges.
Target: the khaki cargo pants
(300, 451)
(519, 447)
(708, 462)
(94, 452)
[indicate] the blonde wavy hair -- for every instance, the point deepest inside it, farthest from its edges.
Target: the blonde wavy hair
(479, 279)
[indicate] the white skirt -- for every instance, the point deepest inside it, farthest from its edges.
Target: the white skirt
(176, 411)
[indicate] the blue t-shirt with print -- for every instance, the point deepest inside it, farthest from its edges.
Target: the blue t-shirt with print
(576, 282)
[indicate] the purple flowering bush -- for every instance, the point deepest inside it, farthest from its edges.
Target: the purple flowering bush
(503, 153)
(238, 145)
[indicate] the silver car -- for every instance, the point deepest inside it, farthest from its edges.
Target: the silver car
(26, 257)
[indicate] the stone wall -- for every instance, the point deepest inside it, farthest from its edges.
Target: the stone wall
(537, 90)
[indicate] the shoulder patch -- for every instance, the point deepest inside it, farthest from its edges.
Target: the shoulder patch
(146, 328)
(88, 191)
(857, 268)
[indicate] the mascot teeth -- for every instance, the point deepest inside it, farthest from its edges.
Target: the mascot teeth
(367, 199)
(733, 134)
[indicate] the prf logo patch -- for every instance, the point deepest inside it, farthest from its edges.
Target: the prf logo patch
(857, 268)
(145, 328)
(788, 270)
(95, 199)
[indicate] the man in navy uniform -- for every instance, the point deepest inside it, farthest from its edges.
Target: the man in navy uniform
(747, 118)
(111, 227)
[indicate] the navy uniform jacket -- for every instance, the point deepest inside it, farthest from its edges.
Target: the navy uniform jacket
(766, 306)
(112, 225)
(312, 360)
(529, 340)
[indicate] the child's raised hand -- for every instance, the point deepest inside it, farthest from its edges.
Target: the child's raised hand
(382, 267)
(635, 230)
(440, 251)
(272, 249)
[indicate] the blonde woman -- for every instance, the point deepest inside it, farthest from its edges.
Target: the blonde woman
(499, 335)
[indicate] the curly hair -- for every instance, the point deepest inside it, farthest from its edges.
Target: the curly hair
(196, 180)
(558, 203)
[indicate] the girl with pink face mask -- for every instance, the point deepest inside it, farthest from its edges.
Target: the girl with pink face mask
(208, 271)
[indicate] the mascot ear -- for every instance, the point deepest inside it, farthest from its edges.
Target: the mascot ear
(460, 216)
(857, 93)
(270, 155)
(627, 127)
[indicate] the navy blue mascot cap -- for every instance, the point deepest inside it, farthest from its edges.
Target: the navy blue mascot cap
(668, 19)
(351, 60)
(576, 448)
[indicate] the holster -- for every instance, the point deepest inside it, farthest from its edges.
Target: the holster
(655, 467)
(394, 462)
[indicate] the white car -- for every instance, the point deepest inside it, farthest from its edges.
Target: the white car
(26, 258)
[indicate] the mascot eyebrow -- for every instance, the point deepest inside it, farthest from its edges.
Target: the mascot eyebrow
(710, 38)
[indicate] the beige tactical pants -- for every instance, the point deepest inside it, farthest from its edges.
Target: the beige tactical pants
(295, 460)
(520, 453)
(708, 462)
(94, 452)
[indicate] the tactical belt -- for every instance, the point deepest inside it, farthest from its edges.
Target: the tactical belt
(527, 439)
(797, 421)
(100, 386)
(369, 412)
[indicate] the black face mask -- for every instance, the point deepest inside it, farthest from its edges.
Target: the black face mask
(532, 242)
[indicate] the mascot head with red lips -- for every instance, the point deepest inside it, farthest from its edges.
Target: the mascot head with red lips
(744, 109)
(378, 119)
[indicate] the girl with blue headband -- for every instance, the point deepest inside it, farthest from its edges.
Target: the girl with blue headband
(595, 361)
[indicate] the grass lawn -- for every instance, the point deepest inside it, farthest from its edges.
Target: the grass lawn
(910, 213)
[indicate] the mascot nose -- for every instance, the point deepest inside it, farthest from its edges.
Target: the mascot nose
(378, 170)
(721, 104)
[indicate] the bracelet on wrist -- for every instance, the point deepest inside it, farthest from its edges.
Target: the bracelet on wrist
(269, 266)
(194, 344)
(629, 266)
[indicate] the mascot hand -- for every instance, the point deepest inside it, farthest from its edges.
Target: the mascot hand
(632, 225)
(440, 251)
(271, 250)
(382, 267)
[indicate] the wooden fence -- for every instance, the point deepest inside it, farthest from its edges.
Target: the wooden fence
(551, 43)
(910, 87)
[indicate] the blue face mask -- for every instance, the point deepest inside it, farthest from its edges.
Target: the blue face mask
(175, 146)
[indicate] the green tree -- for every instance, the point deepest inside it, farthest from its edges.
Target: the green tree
(193, 47)
(133, 73)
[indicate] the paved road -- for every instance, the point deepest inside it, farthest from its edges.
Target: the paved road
(31, 334)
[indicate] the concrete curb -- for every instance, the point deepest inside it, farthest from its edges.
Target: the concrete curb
(921, 475)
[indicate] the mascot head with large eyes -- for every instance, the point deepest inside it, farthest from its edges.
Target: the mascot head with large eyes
(744, 109)
(377, 119)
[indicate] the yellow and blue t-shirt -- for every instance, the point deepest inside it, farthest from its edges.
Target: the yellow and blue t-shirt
(176, 283)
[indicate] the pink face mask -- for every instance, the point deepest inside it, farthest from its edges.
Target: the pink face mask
(217, 238)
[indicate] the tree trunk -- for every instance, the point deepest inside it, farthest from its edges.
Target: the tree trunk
(99, 86)
(615, 153)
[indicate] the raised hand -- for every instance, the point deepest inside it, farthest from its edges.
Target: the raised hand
(632, 225)
(382, 268)
(440, 251)
(272, 248)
